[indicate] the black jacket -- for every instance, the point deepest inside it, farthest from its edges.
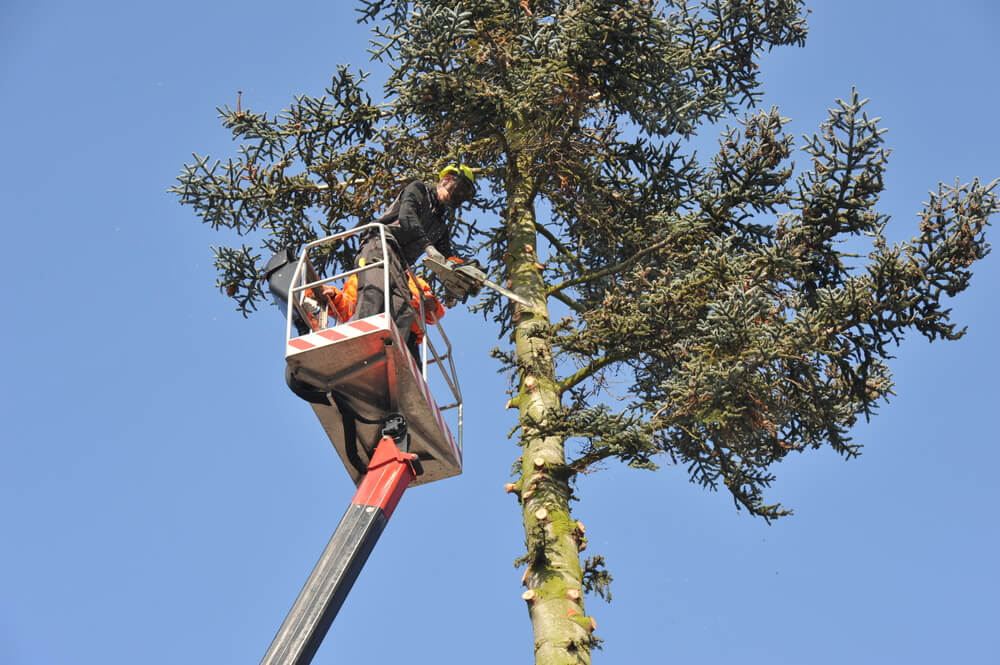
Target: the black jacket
(417, 219)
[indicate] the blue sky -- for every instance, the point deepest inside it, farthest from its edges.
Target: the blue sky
(163, 496)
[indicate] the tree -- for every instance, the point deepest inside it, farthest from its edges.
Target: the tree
(752, 307)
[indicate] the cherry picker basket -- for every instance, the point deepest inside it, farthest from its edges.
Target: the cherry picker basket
(362, 370)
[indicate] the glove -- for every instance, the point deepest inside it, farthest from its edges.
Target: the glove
(432, 253)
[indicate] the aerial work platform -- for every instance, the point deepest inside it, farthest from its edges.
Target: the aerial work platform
(362, 370)
(374, 401)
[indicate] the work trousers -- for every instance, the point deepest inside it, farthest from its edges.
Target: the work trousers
(371, 296)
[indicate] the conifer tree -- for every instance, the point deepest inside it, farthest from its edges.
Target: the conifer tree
(721, 290)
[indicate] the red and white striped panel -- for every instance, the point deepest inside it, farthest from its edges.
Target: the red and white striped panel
(336, 334)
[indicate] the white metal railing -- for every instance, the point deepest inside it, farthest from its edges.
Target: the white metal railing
(306, 270)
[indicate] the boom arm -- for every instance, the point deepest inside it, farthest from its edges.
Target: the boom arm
(307, 623)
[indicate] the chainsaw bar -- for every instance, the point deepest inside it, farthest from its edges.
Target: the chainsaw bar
(464, 277)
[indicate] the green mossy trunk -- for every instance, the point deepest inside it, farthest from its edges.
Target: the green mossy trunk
(554, 578)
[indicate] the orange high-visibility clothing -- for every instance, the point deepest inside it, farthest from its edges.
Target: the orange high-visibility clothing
(344, 301)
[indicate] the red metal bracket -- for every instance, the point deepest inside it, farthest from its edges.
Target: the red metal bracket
(389, 472)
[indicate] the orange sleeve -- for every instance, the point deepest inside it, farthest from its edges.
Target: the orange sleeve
(432, 314)
(347, 300)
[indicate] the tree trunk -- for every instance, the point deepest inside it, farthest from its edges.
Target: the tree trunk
(563, 632)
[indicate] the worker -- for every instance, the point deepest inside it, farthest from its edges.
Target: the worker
(415, 225)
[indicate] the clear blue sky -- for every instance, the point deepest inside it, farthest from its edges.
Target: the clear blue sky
(163, 496)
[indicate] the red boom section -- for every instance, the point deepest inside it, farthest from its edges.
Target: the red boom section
(389, 473)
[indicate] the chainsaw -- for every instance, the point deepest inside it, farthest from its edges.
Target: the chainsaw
(462, 280)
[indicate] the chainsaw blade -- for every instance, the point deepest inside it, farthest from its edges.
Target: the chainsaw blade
(449, 273)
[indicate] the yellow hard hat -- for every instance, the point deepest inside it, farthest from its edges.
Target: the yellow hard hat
(462, 171)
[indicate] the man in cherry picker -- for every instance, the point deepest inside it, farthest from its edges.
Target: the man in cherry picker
(415, 224)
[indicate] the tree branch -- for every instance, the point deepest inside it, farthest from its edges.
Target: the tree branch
(559, 246)
(569, 302)
(582, 463)
(586, 372)
(610, 270)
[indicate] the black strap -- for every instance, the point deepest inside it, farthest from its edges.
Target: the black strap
(348, 417)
